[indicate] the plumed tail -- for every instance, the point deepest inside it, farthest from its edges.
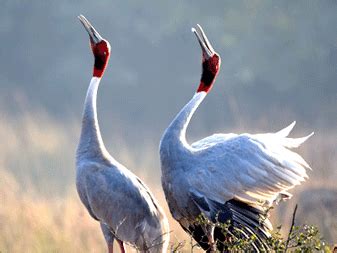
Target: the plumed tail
(291, 142)
(295, 142)
(286, 131)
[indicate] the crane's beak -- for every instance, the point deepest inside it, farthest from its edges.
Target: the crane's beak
(95, 37)
(206, 46)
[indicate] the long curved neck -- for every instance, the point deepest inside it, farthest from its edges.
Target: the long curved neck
(91, 143)
(174, 138)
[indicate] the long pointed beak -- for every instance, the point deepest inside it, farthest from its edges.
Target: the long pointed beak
(93, 34)
(203, 41)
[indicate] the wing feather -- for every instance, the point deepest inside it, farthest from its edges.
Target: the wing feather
(251, 168)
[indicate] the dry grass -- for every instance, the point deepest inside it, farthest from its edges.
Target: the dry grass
(35, 224)
(40, 210)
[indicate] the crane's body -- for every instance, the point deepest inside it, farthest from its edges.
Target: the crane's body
(113, 195)
(225, 177)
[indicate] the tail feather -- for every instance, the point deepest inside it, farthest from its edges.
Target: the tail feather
(295, 142)
(247, 221)
(291, 142)
(286, 131)
(244, 220)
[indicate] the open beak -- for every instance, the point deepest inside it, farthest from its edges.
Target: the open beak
(93, 34)
(203, 41)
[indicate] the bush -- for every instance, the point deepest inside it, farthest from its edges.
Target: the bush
(305, 238)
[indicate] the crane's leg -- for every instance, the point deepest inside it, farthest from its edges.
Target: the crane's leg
(109, 237)
(209, 231)
(110, 248)
(121, 246)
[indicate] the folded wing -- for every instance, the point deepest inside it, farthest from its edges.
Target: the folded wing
(251, 168)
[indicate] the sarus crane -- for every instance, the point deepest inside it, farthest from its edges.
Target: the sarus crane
(224, 178)
(122, 204)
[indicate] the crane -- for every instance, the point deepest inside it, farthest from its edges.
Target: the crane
(226, 177)
(115, 197)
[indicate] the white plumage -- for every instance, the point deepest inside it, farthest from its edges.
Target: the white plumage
(251, 167)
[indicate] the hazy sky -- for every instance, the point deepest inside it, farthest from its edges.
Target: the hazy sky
(274, 54)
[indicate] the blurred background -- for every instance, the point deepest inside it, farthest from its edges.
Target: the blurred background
(279, 64)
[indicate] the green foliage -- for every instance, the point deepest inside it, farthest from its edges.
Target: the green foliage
(305, 238)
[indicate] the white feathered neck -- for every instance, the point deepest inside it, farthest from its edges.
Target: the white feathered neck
(91, 143)
(174, 138)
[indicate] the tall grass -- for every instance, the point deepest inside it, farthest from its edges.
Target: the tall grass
(31, 223)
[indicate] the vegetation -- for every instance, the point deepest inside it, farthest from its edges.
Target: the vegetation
(31, 223)
(305, 238)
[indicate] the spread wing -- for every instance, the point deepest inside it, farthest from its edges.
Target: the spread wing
(251, 168)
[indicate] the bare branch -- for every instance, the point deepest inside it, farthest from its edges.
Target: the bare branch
(291, 229)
